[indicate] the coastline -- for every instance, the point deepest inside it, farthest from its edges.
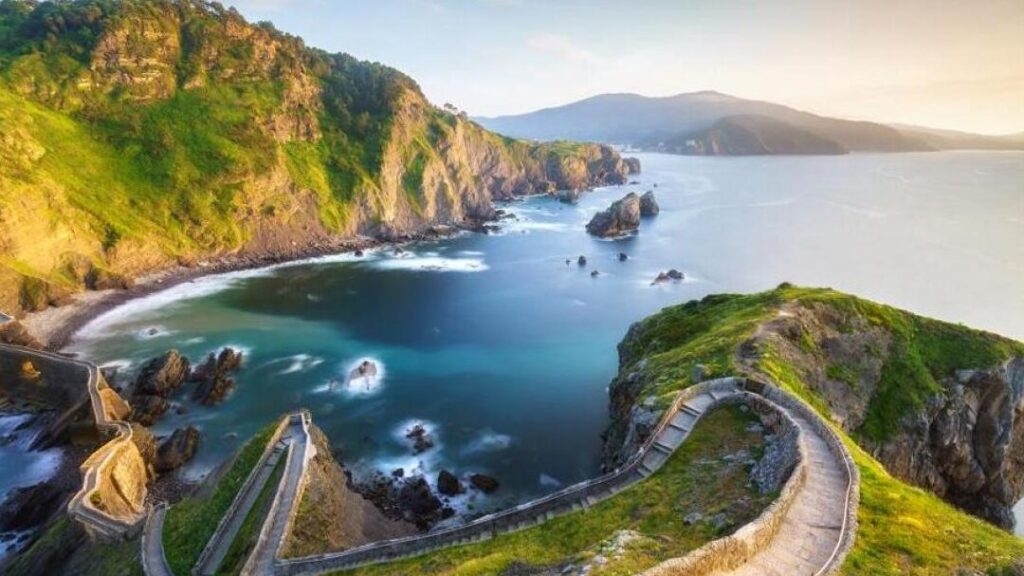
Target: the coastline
(55, 327)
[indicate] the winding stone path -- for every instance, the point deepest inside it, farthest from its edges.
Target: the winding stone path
(220, 543)
(812, 529)
(816, 529)
(154, 563)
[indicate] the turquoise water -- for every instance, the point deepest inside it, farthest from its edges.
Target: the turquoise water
(505, 352)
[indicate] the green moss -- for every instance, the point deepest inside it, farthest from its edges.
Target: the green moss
(696, 478)
(245, 540)
(190, 523)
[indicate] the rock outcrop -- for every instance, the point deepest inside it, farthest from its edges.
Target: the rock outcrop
(213, 377)
(964, 441)
(410, 169)
(622, 217)
(175, 451)
(157, 380)
(649, 205)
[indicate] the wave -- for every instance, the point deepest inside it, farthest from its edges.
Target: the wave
(487, 441)
(297, 363)
(431, 263)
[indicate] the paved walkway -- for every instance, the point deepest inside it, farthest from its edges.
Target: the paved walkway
(153, 561)
(218, 546)
(811, 529)
(671, 433)
(286, 501)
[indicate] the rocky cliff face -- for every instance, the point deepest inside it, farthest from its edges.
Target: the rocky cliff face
(941, 406)
(962, 437)
(137, 135)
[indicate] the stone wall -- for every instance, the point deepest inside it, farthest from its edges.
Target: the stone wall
(733, 551)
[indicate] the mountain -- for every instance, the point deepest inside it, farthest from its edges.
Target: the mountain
(745, 135)
(135, 135)
(954, 140)
(646, 122)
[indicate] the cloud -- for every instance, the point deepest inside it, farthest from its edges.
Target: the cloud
(563, 47)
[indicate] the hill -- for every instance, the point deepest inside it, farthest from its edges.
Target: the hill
(140, 134)
(928, 408)
(642, 121)
(955, 140)
(745, 135)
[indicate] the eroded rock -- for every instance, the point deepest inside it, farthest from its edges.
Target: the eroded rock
(622, 217)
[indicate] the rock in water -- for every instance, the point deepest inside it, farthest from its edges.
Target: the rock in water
(623, 257)
(622, 217)
(421, 441)
(162, 376)
(148, 408)
(672, 274)
(448, 484)
(582, 261)
(213, 379)
(419, 505)
(484, 483)
(648, 205)
(174, 452)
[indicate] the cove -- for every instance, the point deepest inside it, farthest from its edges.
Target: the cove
(504, 350)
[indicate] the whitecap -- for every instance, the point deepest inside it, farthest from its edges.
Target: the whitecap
(152, 332)
(548, 481)
(487, 441)
(298, 363)
(356, 385)
(433, 263)
(194, 341)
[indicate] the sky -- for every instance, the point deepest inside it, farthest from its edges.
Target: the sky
(956, 64)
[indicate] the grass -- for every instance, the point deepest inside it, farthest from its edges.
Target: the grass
(695, 478)
(97, 559)
(249, 532)
(905, 531)
(190, 523)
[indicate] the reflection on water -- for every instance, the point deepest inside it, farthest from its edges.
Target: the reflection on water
(507, 350)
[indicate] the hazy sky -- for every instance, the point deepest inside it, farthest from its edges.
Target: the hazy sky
(942, 63)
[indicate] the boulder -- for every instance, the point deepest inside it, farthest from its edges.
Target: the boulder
(448, 484)
(484, 483)
(581, 261)
(148, 408)
(421, 440)
(632, 165)
(595, 274)
(162, 376)
(418, 504)
(623, 257)
(213, 376)
(671, 275)
(176, 450)
(648, 205)
(16, 334)
(569, 196)
(622, 217)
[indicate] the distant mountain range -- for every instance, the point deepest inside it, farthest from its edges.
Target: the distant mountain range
(712, 123)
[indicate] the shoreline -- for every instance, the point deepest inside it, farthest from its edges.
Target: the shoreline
(56, 327)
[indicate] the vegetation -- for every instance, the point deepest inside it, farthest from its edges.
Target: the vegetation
(190, 523)
(696, 478)
(138, 133)
(53, 545)
(903, 530)
(249, 532)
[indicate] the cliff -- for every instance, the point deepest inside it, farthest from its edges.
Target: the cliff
(939, 406)
(137, 135)
(745, 135)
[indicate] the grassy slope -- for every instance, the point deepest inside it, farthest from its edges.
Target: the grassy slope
(190, 523)
(694, 479)
(60, 537)
(903, 530)
(249, 532)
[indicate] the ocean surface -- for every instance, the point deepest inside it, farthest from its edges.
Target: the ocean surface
(503, 347)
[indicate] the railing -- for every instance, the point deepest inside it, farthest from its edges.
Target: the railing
(81, 506)
(520, 517)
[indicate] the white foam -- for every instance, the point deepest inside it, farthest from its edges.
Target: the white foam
(431, 262)
(199, 287)
(152, 332)
(298, 363)
(193, 341)
(119, 364)
(548, 481)
(357, 386)
(487, 441)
